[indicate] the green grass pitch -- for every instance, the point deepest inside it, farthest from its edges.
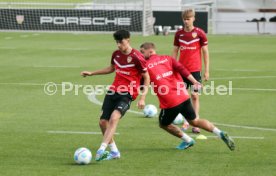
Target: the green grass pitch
(27, 114)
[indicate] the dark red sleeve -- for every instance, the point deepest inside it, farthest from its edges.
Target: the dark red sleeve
(180, 68)
(140, 62)
(176, 42)
(112, 60)
(203, 38)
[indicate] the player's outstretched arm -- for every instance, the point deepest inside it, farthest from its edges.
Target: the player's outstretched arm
(103, 71)
(141, 102)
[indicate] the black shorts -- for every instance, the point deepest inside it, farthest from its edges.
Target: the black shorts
(188, 83)
(115, 101)
(167, 116)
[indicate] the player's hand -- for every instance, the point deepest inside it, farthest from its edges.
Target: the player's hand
(206, 76)
(86, 73)
(197, 86)
(141, 104)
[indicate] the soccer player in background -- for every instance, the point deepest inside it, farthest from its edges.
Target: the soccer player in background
(129, 66)
(191, 43)
(165, 76)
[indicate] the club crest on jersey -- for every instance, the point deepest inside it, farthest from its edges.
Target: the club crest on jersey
(129, 59)
(194, 34)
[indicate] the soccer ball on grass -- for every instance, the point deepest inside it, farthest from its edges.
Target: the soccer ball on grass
(82, 156)
(179, 119)
(150, 110)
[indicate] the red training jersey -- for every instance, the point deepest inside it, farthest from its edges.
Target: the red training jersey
(190, 44)
(128, 70)
(166, 80)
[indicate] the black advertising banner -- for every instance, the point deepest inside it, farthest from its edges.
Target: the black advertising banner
(70, 20)
(166, 18)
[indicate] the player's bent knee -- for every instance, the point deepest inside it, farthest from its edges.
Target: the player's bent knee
(103, 122)
(194, 122)
(163, 126)
(195, 97)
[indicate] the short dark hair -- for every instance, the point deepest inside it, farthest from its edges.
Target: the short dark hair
(121, 34)
(148, 45)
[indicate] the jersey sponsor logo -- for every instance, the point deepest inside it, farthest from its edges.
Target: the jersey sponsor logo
(122, 72)
(164, 75)
(158, 77)
(153, 64)
(194, 34)
(101, 21)
(187, 47)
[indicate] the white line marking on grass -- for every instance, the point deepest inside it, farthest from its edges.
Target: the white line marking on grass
(252, 89)
(64, 49)
(25, 84)
(246, 89)
(242, 70)
(243, 77)
(245, 127)
(71, 49)
(8, 38)
(7, 48)
(77, 132)
(92, 98)
(55, 66)
(24, 36)
(237, 70)
(234, 137)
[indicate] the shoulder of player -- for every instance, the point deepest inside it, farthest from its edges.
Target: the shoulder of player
(199, 30)
(178, 32)
(116, 52)
(135, 54)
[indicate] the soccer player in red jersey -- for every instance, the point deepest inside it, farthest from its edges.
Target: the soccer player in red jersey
(129, 66)
(165, 76)
(191, 43)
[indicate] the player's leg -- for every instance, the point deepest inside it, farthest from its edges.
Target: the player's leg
(122, 105)
(186, 124)
(208, 126)
(195, 102)
(107, 109)
(166, 118)
(195, 98)
(108, 134)
(189, 113)
(110, 130)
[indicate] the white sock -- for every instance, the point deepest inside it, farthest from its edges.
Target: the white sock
(113, 147)
(186, 138)
(103, 146)
(217, 131)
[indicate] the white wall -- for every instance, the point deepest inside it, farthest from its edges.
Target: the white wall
(232, 17)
